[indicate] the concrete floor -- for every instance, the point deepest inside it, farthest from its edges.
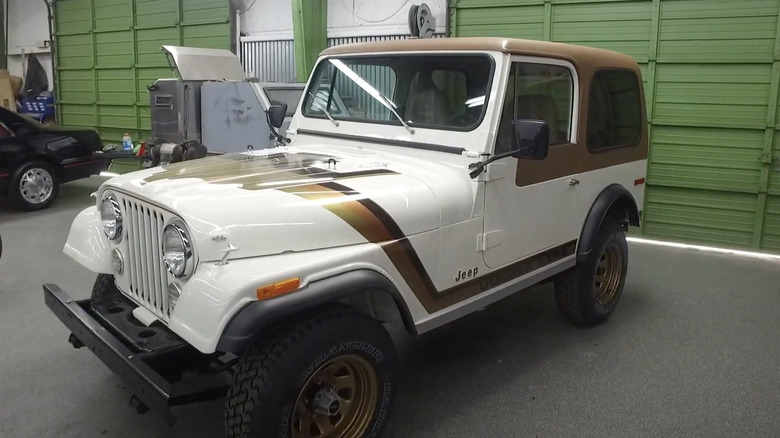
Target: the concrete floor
(692, 350)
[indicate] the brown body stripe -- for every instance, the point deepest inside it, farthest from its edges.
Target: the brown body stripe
(377, 226)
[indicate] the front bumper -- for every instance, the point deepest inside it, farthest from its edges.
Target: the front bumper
(160, 369)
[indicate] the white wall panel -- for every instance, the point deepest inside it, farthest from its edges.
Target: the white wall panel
(28, 23)
(377, 17)
(265, 20)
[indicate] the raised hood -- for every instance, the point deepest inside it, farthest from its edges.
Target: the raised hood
(269, 202)
(198, 64)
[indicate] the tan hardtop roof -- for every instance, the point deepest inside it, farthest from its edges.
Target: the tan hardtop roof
(582, 55)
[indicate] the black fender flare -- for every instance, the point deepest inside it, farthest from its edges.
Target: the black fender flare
(613, 197)
(252, 320)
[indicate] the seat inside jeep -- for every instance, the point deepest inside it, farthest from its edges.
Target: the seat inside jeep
(427, 104)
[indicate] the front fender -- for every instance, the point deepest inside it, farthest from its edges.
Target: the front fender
(87, 244)
(257, 316)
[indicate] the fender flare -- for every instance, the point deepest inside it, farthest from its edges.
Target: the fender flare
(611, 198)
(254, 318)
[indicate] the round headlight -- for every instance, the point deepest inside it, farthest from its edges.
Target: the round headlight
(177, 250)
(111, 216)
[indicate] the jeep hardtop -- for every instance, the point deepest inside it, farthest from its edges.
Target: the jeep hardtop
(450, 174)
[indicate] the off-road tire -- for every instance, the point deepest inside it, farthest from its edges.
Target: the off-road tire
(104, 285)
(270, 377)
(576, 290)
(21, 199)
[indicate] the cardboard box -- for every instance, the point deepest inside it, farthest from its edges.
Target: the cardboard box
(10, 86)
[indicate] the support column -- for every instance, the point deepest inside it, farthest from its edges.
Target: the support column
(652, 81)
(310, 30)
(766, 157)
(3, 55)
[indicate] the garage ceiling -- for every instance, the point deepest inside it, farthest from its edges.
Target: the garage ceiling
(711, 70)
(108, 51)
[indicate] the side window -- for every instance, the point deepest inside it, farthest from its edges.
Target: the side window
(614, 110)
(539, 92)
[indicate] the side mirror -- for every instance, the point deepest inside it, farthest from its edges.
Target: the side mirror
(531, 139)
(276, 113)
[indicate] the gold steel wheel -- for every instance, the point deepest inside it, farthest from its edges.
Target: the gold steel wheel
(338, 400)
(608, 274)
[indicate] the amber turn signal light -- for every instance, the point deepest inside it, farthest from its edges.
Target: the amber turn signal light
(276, 289)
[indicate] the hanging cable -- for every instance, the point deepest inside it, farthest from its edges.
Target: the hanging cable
(351, 10)
(247, 8)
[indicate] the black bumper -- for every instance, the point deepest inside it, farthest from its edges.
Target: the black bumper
(161, 374)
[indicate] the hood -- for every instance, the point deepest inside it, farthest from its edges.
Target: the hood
(274, 201)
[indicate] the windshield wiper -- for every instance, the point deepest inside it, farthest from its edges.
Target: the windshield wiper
(391, 107)
(372, 91)
(330, 117)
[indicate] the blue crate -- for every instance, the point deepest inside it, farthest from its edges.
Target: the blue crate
(40, 107)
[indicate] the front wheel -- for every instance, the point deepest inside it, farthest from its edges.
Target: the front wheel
(588, 293)
(328, 376)
(35, 186)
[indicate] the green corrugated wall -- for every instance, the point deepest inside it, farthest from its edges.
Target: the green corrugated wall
(108, 51)
(711, 71)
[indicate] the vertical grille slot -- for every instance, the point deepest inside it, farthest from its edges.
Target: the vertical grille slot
(145, 267)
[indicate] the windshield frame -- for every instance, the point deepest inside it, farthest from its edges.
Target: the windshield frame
(310, 87)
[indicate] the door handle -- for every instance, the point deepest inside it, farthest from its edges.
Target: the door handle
(574, 182)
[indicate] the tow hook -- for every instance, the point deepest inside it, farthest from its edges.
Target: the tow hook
(74, 341)
(139, 406)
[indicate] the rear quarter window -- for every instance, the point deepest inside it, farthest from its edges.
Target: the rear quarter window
(614, 110)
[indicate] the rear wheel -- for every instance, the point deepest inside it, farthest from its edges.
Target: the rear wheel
(327, 376)
(588, 293)
(35, 186)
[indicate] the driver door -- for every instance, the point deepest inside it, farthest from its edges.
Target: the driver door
(530, 204)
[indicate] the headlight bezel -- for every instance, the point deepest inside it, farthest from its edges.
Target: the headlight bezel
(115, 234)
(181, 231)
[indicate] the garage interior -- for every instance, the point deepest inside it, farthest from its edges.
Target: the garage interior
(692, 350)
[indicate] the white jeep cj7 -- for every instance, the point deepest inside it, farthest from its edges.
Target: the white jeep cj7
(449, 174)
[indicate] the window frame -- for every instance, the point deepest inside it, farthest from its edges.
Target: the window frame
(393, 121)
(639, 84)
(575, 101)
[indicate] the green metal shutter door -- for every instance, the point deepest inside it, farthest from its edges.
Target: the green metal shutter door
(108, 51)
(711, 70)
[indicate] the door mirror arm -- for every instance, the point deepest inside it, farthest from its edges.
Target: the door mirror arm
(530, 141)
(479, 167)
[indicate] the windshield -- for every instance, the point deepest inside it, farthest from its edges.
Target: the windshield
(429, 91)
(289, 95)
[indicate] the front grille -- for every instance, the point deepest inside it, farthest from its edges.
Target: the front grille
(145, 267)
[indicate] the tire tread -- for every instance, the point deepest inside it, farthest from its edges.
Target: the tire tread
(252, 370)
